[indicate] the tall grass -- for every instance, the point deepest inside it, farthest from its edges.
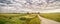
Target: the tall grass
(19, 18)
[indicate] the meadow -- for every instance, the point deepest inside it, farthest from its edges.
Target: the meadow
(26, 18)
(19, 18)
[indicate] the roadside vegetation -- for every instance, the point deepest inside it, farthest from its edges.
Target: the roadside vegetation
(21, 18)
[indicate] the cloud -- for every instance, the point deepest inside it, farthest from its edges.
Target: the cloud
(8, 6)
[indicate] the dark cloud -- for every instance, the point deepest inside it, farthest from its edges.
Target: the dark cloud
(29, 1)
(58, 0)
(6, 1)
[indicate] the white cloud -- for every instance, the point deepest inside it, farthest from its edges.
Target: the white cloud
(23, 6)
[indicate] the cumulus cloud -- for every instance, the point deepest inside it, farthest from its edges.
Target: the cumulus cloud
(17, 6)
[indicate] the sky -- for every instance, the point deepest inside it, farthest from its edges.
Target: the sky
(18, 6)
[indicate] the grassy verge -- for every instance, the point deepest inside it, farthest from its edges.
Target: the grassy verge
(52, 16)
(19, 19)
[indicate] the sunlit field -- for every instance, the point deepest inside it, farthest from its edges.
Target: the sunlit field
(19, 18)
(26, 18)
(52, 16)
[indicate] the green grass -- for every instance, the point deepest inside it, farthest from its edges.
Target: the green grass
(22, 18)
(52, 16)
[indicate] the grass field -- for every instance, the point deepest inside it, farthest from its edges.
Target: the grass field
(22, 18)
(52, 16)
